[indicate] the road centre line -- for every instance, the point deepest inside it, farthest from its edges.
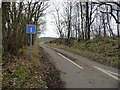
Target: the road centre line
(70, 61)
(113, 73)
(108, 73)
(104, 71)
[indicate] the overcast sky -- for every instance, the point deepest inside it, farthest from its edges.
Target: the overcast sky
(50, 28)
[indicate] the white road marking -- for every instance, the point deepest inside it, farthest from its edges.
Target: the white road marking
(108, 73)
(70, 61)
(113, 73)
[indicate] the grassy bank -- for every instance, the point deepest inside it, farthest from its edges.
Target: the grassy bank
(104, 50)
(19, 71)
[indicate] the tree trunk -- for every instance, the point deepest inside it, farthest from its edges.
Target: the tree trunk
(118, 25)
(69, 20)
(103, 17)
(87, 31)
(78, 22)
(82, 21)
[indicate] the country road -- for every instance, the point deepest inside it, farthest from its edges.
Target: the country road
(80, 72)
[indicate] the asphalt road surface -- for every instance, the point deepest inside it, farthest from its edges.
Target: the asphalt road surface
(80, 72)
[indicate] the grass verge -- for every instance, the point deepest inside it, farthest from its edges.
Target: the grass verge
(22, 72)
(104, 50)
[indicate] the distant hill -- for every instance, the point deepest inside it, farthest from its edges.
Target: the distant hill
(46, 39)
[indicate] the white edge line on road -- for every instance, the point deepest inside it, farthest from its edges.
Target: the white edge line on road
(70, 61)
(108, 73)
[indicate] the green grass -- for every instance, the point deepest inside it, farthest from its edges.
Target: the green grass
(104, 50)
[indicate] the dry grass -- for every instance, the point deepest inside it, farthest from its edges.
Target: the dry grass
(104, 51)
(22, 72)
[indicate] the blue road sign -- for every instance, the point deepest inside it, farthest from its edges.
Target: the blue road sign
(30, 29)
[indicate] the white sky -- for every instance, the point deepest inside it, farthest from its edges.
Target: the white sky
(50, 28)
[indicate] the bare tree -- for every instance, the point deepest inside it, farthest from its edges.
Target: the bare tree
(58, 21)
(15, 18)
(83, 20)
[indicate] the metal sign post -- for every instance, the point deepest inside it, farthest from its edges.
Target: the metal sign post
(31, 43)
(30, 29)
